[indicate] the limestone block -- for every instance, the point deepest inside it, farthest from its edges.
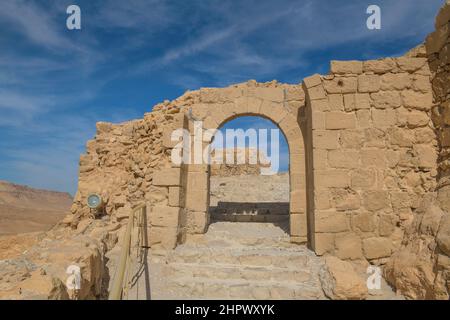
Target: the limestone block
(386, 99)
(298, 225)
(375, 200)
(346, 67)
(396, 81)
(373, 157)
(163, 216)
(368, 83)
(322, 199)
(197, 222)
(297, 163)
(295, 93)
(167, 177)
(336, 102)
(340, 281)
(379, 66)
(343, 159)
(377, 247)
(320, 105)
(384, 117)
(197, 200)
(297, 201)
(162, 237)
(421, 83)
(410, 64)
(356, 101)
(387, 224)
(352, 139)
(340, 120)
(273, 110)
(416, 100)
(363, 178)
(320, 159)
(363, 117)
(348, 246)
(332, 178)
(331, 221)
(426, 154)
(324, 139)
(174, 196)
(318, 120)
(341, 85)
(275, 94)
(312, 81)
(402, 137)
(324, 243)
(316, 93)
(417, 119)
(254, 105)
(197, 181)
(345, 200)
(364, 221)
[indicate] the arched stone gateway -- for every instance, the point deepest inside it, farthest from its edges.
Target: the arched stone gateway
(270, 103)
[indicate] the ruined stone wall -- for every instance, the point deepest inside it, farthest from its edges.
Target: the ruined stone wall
(420, 269)
(374, 154)
(247, 168)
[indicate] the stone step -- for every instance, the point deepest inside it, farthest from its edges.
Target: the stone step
(236, 272)
(206, 288)
(262, 257)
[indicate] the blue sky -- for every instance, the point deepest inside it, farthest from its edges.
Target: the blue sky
(55, 83)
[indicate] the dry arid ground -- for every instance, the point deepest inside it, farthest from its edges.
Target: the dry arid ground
(24, 209)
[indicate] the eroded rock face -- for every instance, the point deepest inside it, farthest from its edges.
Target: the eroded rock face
(340, 281)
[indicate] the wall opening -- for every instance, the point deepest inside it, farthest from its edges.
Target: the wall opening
(251, 181)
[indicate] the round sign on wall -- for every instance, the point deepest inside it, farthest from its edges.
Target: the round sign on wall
(94, 201)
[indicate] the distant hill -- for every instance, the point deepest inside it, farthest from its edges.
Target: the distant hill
(24, 209)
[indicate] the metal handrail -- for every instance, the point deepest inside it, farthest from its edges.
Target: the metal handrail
(118, 285)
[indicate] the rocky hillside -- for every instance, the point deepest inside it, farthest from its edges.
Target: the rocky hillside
(24, 209)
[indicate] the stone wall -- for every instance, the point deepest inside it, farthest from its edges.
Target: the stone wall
(374, 154)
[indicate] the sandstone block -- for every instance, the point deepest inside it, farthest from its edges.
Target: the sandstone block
(340, 120)
(162, 216)
(174, 196)
(346, 67)
(375, 200)
(167, 177)
(331, 222)
(341, 85)
(352, 139)
(343, 159)
(348, 246)
(332, 178)
(316, 93)
(298, 225)
(386, 99)
(323, 139)
(384, 117)
(368, 83)
(377, 247)
(162, 237)
(373, 157)
(410, 64)
(364, 221)
(417, 100)
(336, 102)
(417, 119)
(379, 66)
(197, 222)
(312, 81)
(363, 178)
(426, 154)
(396, 81)
(324, 243)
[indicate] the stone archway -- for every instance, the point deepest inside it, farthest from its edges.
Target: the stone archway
(268, 103)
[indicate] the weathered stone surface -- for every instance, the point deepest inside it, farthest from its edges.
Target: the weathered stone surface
(377, 247)
(341, 282)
